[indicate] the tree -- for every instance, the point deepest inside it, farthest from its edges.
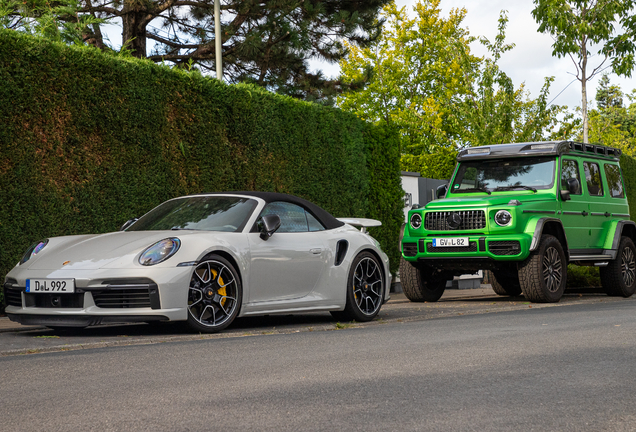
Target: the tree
(607, 95)
(412, 76)
(578, 25)
(493, 111)
(421, 78)
(268, 43)
(611, 123)
(58, 20)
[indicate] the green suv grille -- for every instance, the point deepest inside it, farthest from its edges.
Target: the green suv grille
(471, 219)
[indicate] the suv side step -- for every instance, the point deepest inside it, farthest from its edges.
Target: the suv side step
(602, 257)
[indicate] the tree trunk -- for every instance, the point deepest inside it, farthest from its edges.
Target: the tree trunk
(134, 28)
(584, 91)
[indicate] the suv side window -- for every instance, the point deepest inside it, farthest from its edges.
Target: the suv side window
(293, 218)
(614, 181)
(593, 178)
(570, 169)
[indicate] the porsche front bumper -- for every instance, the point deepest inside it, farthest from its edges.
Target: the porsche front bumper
(101, 296)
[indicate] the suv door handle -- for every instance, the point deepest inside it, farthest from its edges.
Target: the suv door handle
(607, 214)
(315, 250)
(584, 213)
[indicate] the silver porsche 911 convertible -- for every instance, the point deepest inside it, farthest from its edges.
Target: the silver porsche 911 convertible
(204, 259)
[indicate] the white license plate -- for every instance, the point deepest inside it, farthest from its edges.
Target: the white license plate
(58, 286)
(450, 242)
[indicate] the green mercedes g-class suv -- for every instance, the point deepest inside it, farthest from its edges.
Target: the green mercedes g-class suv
(524, 211)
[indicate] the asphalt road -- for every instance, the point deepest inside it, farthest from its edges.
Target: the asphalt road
(569, 367)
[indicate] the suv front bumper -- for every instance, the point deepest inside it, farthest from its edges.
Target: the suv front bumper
(481, 249)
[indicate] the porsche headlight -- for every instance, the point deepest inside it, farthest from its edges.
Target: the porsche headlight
(33, 250)
(160, 251)
(503, 218)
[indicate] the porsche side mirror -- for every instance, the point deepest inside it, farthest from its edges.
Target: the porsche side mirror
(268, 226)
(574, 187)
(441, 191)
(128, 223)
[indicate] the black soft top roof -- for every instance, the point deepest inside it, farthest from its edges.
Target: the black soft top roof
(323, 216)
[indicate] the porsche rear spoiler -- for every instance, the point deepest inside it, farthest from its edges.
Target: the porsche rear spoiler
(361, 222)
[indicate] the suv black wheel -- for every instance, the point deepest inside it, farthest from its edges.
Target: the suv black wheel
(619, 277)
(543, 275)
(418, 285)
(505, 283)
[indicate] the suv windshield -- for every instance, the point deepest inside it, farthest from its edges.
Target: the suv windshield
(208, 213)
(505, 174)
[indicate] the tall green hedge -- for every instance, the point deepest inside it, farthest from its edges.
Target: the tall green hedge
(88, 140)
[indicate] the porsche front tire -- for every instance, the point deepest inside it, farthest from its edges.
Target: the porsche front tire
(365, 289)
(214, 296)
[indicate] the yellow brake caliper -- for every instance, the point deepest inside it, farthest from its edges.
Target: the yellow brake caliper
(221, 291)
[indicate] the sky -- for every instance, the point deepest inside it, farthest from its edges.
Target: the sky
(531, 60)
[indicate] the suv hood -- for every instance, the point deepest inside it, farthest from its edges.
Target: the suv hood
(483, 200)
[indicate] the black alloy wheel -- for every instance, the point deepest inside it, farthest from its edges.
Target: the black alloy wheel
(543, 274)
(552, 269)
(365, 289)
(214, 296)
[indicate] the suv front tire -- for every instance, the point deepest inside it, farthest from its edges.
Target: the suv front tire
(543, 274)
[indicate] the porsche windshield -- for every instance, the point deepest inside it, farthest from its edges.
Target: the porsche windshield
(531, 173)
(206, 213)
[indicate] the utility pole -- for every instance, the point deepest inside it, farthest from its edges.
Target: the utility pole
(217, 37)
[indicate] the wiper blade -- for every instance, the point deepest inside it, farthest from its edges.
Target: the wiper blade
(475, 190)
(515, 187)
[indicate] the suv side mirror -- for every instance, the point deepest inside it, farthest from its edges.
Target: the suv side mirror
(128, 223)
(574, 187)
(441, 191)
(268, 226)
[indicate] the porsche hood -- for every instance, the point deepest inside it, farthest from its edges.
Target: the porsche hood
(90, 252)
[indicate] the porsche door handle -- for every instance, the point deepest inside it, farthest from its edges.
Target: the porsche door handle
(315, 250)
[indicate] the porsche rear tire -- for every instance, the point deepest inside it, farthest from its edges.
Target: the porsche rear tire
(365, 289)
(214, 296)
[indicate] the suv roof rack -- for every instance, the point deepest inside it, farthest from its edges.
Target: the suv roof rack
(596, 149)
(540, 148)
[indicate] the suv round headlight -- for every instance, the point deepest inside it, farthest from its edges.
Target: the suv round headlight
(416, 221)
(503, 218)
(34, 249)
(160, 251)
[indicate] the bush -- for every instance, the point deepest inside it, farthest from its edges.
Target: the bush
(89, 140)
(583, 277)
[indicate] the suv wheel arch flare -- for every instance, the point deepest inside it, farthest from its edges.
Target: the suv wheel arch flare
(624, 228)
(549, 223)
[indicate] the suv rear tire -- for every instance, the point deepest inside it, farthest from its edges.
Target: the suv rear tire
(505, 284)
(418, 285)
(619, 276)
(544, 273)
